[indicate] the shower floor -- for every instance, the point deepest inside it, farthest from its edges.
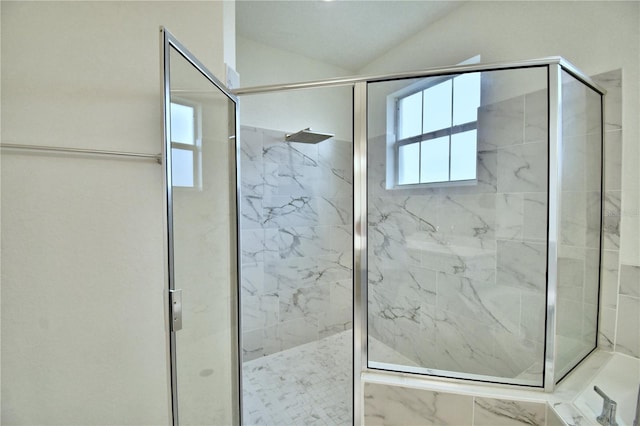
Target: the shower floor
(306, 385)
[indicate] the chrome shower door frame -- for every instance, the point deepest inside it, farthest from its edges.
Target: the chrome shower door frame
(167, 42)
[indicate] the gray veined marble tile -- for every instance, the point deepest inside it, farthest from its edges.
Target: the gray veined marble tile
(580, 219)
(535, 217)
(334, 211)
(250, 144)
(335, 320)
(297, 272)
(341, 238)
(252, 178)
(270, 179)
(535, 116)
(476, 262)
(628, 326)
(252, 278)
(390, 405)
(609, 279)
(611, 220)
(298, 332)
(301, 180)
(630, 280)
(259, 311)
(607, 329)
(574, 163)
(494, 305)
(571, 273)
(519, 358)
(509, 213)
(591, 276)
(251, 212)
(532, 316)
(305, 302)
(388, 243)
(496, 412)
(502, 123)
(522, 168)
(613, 160)
(612, 82)
(289, 211)
(336, 154)
(521, 264)
(581, 109)
(300, 241)
(471, 216)
(487, 170)
(252, 244)
(465, 345)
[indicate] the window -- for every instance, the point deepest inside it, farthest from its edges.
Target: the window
(185, 145)
(436, 131)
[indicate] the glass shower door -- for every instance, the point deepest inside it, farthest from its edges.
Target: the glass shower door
(457, 225)
(200, 160)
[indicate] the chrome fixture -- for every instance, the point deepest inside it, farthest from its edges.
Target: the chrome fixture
(608, 415)
(307, 136)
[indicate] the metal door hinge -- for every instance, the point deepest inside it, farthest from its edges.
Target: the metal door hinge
(175, 299)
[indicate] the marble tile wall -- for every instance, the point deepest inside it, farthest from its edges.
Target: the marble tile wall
(296, 221)
(619, 304)
(580, 217)
(457, 273)
(393, 405)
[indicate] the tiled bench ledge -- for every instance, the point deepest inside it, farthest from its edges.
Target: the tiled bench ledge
(403, 399)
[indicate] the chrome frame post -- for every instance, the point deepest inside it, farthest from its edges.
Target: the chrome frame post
(554, 211)
(168, 220)
(360, 349)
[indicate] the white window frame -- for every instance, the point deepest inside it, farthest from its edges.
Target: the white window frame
(196, 148)
(394, 144)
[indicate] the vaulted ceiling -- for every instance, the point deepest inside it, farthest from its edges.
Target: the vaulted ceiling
(346, 33)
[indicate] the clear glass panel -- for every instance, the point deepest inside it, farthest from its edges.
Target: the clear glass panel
(457, 272)
(182, 167)
(464, 155)
(410, 116)
(466, 98)
(580, 224)
(409, 164)
(434, 158)
(297, 242)
(437, 107)
(204, 261)
(182, 123)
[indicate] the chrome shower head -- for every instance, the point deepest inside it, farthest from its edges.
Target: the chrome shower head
(307, 136)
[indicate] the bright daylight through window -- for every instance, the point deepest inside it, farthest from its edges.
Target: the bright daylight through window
(184, 146)
(436, 132)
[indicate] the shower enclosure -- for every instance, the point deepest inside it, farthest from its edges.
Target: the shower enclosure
(451, 228)
(483, 223)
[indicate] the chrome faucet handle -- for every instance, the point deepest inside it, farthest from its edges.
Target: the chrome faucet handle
(609, 407)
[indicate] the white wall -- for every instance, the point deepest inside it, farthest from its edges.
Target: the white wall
(83, 325)
(595, 36)
(325, 110)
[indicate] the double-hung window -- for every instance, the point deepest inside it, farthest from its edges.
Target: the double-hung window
(185, 145)
(436, 131)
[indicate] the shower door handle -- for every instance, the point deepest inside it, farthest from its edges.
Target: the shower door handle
(175, 300)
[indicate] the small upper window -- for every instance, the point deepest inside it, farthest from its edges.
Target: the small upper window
(436, 126)
(185, 145)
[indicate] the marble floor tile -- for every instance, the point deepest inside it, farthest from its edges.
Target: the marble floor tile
(306, 385)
